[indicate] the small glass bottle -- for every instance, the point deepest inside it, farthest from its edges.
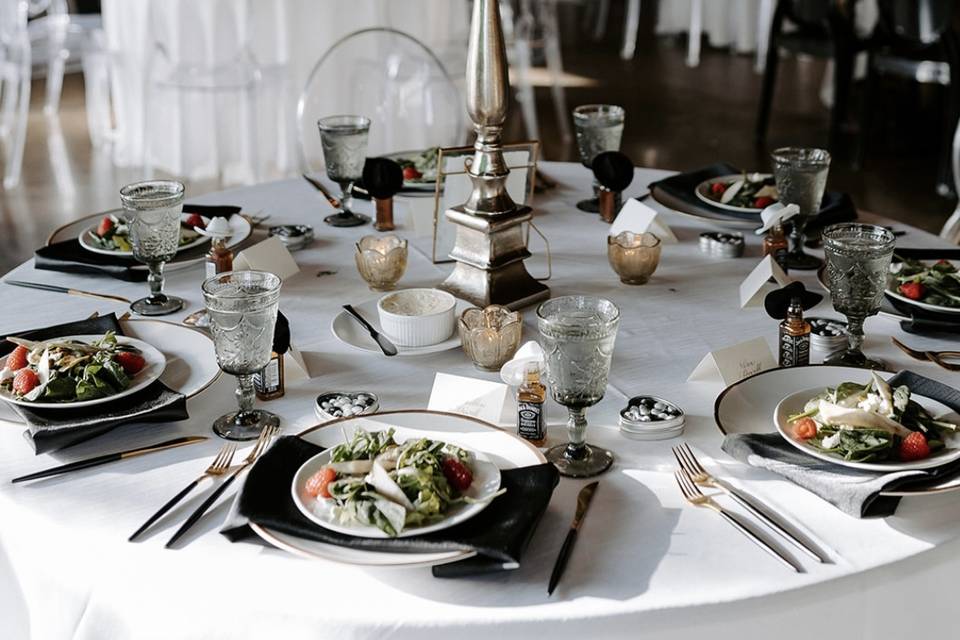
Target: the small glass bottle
(530, 399)
(220, 257)
(794, 337)
(775, 244)
(268, 382)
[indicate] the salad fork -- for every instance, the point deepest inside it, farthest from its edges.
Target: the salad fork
(265, 436)
(689, 463)
(936, 357)
(698, 499)
(219, 466)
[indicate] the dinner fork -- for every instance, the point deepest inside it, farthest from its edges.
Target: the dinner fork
(218, 467)
(689, 463)
(936, 357)
(265, 436)
(696, 498)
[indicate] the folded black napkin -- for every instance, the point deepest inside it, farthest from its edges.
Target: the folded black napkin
(499, 534)
(678, 192)
(69, 256)
(52, 429)
(854, 492)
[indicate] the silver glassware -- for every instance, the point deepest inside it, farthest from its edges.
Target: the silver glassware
(577, 335)
(598, 128)
(858, 260)
(152, 211)
(801, 176)
(344, 140)
(243, 311)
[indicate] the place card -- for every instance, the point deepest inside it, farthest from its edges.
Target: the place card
(734, 363)
(757, 285)
(639, 218)
(482, 399)
(271, 255)
(294, 366)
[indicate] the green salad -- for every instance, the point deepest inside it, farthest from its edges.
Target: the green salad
(421, 167)
(374, 480)
(936, 284)
(869, 422)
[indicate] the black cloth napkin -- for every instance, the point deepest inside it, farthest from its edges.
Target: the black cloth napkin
(53, 429)
(69, 256)
(853, 491)
(499, 534)
(925, 322)
(678, 192)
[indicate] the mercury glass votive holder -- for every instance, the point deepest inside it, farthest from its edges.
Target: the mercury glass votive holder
(634, 256)
(381, 261)
(490, 336)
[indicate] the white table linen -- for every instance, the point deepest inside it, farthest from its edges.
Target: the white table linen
(647, 565)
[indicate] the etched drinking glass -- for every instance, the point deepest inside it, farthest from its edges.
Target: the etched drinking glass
(858, 260)
(243, 311)
(344, 141)
(599, 128)
(152, 212)
(577, 334)
(801, 176)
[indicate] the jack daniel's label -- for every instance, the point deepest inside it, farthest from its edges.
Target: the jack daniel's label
(530, 420)
(267, 380)
(794, 350)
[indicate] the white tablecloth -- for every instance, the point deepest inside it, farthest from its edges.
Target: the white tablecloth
(646, 565)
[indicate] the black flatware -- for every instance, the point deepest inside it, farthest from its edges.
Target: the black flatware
(388, 348)
(322, 189)
(42, 286)
(583, 501)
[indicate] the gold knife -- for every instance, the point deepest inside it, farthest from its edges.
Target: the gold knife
(583, 502)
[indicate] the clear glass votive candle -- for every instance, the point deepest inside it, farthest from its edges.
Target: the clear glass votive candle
(634, 256)
(381, 260)
(490, 336)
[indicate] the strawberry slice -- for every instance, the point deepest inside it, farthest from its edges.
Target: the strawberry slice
(17, 359)
(131, 362)
(25, 381)
(105, 227)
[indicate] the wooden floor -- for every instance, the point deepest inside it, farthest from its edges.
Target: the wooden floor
(677, 118)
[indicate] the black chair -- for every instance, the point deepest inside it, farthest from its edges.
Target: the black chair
(915, 40)
(825, 29)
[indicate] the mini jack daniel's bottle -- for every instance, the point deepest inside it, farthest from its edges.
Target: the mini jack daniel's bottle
(530, 399)
(794, 337)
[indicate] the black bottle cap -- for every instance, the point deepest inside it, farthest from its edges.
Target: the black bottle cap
(382, 177)
(777, 303)
(613, 170)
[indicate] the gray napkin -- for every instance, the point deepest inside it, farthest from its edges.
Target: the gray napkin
(854, 492)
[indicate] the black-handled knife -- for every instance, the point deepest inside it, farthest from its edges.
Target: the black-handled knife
(583, 501)
(110, 457)
(388, 348)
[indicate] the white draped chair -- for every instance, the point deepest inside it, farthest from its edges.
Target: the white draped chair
(15, 67)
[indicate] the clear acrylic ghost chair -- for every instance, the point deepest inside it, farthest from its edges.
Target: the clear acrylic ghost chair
(951, 228)
(391, 78)
(15, 70)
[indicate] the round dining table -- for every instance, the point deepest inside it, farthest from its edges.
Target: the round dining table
(647, 564)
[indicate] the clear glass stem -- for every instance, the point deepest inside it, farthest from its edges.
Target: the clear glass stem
(155, 280)
(854, 334)
(346, 197)
(596, 188)
(576, 433)
(797, 236)
(245, 395)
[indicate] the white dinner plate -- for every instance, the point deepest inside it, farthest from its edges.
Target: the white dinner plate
(348, 331)
(504, 449)
(191, 358)
(88, 240)
(240, 228)
(703, 189)
(717, 219)
(428, 182)
(746, 406)
(922, 305)
(155, 364)
(793, 404)
(486, 482)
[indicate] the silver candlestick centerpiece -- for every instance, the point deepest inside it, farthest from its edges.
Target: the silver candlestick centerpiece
(490, 247)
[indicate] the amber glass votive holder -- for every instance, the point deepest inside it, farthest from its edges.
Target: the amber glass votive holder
(634, 256)
(490, 336)
(381, 261)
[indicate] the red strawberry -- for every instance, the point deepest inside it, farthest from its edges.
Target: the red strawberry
(195, 221)
(763, 202)
(717, 188)
(17, 359)
(25, 381)
(130, 361)
(912, 290)
(457, 474)
(411, 173)
(106, 226)
(943, 263)
(914, 447)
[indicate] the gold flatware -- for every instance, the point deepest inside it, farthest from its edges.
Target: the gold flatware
(322, 189)
(265, 436)
(584, 498)
(698, 499)
(689, 463)
(219, 466)
(73, 292)
(936, 357)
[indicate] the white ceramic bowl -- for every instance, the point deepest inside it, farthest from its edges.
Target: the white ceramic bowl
(417, 317)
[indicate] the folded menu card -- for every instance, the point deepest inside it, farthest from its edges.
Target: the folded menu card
(70, 257)
(271, 255)
(639, 218)
(734, 363)
(757, 285)
(853, 491)
(52, 429)
(499, 534)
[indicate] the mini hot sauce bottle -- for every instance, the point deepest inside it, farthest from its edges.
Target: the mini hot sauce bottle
(530, 399)
(794, 337)
(775, 244)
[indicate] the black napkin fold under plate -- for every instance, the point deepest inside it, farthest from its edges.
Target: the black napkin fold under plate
(499, 533)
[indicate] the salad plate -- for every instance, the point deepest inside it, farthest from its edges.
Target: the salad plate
(745, 193)
(421, 470)
(419, 168)
(92, 371)
(350, 333)
(106, 244)
(931, 287)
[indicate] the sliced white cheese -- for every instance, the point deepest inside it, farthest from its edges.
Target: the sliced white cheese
(731, 191)
(380, 480)
(43, 374)
(834, 414)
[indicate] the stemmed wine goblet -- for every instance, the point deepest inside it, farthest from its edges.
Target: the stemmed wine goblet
(858, 261)
(598, 129)
(152, 211)
(344, 140)
(801, 176)
(577, 335)
(243, 312)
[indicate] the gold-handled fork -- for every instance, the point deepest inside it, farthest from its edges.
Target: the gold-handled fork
(219, 466)
(696, 498)
(936, 357)
(265, 436)
(689, 463)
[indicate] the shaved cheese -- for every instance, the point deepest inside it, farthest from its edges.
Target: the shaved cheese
(43, 374)
(834, 414)
(731, 191)
(352, 467)
(380, 480)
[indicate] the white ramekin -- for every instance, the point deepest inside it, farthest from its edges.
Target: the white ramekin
(418, 327)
